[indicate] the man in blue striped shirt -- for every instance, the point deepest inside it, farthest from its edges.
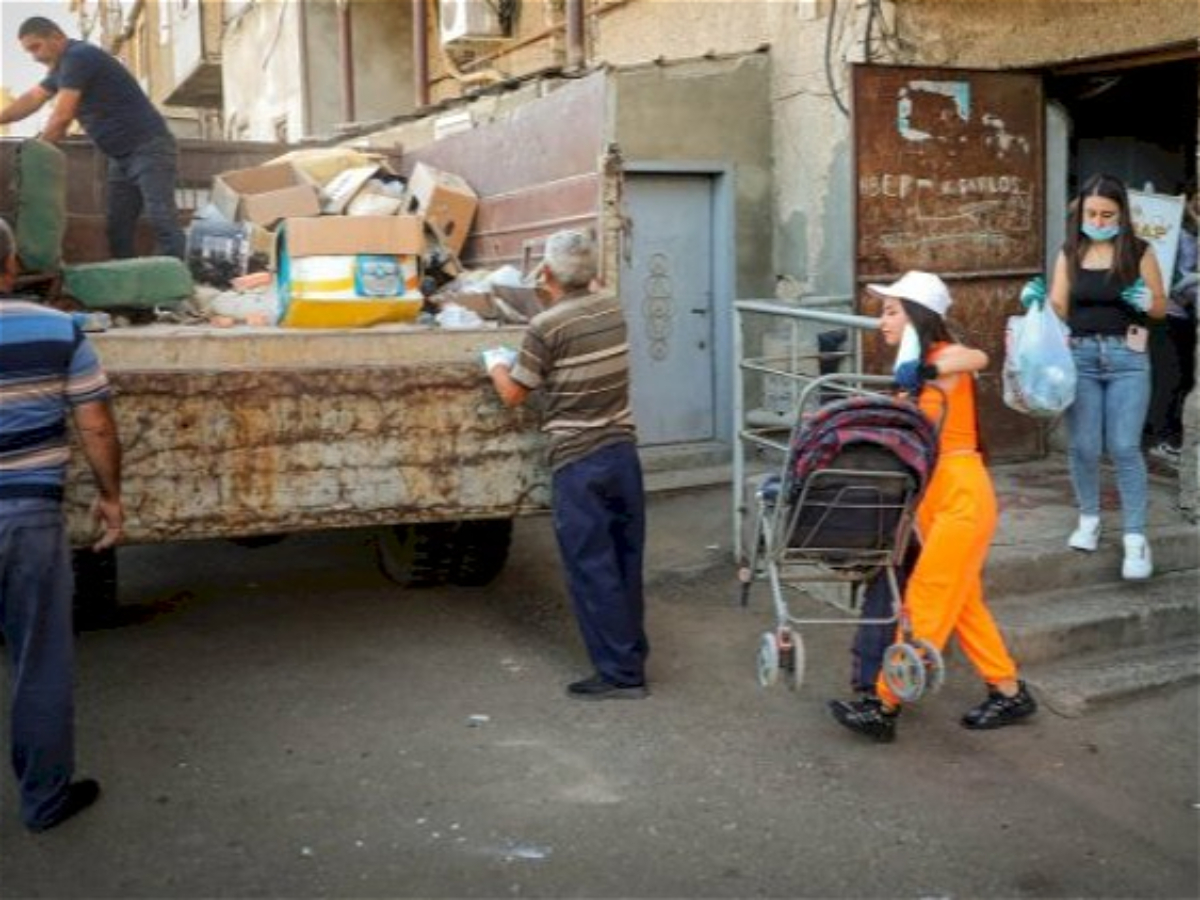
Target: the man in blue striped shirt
(48, 373)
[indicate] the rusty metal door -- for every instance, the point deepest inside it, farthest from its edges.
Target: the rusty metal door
(950, 179)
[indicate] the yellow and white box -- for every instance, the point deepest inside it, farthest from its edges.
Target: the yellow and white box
(349, 272)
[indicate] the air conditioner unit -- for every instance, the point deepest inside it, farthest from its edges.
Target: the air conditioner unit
(470, 20)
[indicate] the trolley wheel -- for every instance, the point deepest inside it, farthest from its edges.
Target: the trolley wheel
(792, 661)
(904, 672)
(768, 659)
(935, 665)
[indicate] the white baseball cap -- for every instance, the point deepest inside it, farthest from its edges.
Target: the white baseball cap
(922, 288)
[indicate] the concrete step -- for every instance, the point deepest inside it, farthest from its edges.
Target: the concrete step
(1024, 568)
(1072, 687)
(1102, 618)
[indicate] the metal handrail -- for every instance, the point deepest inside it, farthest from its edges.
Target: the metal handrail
(761, 436)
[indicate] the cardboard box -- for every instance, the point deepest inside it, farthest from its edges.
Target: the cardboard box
(265, 195)
(349, 272)
(446, 201)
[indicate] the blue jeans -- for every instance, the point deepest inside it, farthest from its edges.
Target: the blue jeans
(1111, 399)
(600, 521)
(36, 586)
(144, 180)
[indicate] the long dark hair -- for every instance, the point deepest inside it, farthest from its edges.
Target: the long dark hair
(1128, 248)
(930, 327)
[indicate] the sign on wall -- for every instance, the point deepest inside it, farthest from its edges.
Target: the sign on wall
(1158, 218)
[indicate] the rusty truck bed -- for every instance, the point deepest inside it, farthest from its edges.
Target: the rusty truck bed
(248, 431)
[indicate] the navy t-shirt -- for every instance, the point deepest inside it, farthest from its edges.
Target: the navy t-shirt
(113, 109)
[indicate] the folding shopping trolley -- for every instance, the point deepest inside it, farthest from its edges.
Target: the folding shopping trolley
(842, 509)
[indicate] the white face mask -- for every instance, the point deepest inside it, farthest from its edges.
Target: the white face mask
(910, 347)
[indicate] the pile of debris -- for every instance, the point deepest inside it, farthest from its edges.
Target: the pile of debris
(336, 238)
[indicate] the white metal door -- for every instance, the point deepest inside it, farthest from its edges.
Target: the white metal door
(667, 288)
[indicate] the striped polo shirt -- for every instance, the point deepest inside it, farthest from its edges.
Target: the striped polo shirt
(47, 366)
(577, 353)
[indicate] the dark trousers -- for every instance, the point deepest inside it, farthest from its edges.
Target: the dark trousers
(1173, 375)
(36, 585)
(600, 521)
(870, 641)
(144, 180)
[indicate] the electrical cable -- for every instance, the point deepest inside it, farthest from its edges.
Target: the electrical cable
(829, 60)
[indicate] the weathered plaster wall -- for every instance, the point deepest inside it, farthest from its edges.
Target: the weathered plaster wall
(657, 119)
(1024, 33)
(261, 73)
(381, 39)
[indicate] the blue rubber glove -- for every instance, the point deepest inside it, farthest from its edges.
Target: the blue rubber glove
(1137, 295)
(1033, 294)
(498, 356)
(911, 376)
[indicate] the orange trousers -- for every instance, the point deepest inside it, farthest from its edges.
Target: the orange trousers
(956, 518)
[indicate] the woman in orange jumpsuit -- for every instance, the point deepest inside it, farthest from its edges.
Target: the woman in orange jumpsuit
(956, 517)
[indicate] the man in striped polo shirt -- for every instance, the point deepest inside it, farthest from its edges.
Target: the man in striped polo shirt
(576, 353)
(47, 370)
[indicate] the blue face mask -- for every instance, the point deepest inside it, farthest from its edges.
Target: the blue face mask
(1100, 232)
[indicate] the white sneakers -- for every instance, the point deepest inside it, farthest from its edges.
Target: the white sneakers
(1087, 535)
(1137, 565)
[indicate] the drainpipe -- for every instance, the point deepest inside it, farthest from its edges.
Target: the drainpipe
(306, 126)
(420, 28)
(346, 45)
(576, 55)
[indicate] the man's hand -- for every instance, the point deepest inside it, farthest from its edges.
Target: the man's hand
(1033, 294)
(911, 376)
(1137, 295)
(498, 356)
(110, 514)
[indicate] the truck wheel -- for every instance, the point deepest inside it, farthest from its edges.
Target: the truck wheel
(254, 541)
(416, 555)
(481, 552)
(95, 588)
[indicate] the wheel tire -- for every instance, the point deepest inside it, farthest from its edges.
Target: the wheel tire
(794, 671)
(95, 599)
(768, 659)
(904, 672)
(481, 550)
(417, 556)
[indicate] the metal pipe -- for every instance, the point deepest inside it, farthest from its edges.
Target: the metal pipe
(420, 28)
(576, 53)
(306, 125)
(346, 51)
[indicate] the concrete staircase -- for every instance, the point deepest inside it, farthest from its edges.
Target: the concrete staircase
(1082, 635)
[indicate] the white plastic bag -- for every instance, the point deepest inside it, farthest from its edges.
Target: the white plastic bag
(1039, 373)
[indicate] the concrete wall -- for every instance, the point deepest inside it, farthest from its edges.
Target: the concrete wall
(656, 120)
(261, 74)
(381, 39)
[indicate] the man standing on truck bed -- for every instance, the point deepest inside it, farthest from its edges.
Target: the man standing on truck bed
(577, 353)
(47, 368)
(94, 87)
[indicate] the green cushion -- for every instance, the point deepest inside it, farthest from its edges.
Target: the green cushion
(139, 283)
(41, 206)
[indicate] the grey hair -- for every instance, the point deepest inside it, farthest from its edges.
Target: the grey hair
(8, 243)
(571, 258)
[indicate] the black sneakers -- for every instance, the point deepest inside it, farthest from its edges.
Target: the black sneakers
(866, 716)
(80, 795)
(596, 688)
(997, 710)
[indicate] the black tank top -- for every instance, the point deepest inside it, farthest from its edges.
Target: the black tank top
(1096, 304)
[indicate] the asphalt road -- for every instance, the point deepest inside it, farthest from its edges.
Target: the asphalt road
(283, 722)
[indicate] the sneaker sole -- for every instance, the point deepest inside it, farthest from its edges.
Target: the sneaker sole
(1000, 723)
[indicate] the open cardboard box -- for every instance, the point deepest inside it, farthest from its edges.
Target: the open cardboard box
(265, 195)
